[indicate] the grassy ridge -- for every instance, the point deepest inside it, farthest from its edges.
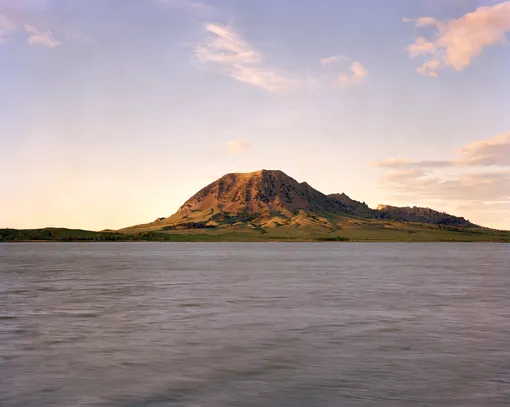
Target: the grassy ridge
(60, 235)
(369, 231)
(360, 234)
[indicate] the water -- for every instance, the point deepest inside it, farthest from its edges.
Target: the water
(237, 324)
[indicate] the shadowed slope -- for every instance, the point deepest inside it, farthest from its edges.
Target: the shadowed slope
(354, 207)
(260, 192)
(422, 215)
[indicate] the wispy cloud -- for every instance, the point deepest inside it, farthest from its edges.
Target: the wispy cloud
(197, 7)
(483, 197)
(420, 185)
(356, 77)
(494, 151)
(7, 27)
(329, 60)
(405, 163)
(75, 35)
(490, 152)
(232, 54)
(25, 4)
(456, 42)
(495, 213)
(479, 174)
(236, 147)
(332, 65)
(37, 37)
(333, 59)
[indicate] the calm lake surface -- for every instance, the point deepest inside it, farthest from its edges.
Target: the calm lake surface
(254, 324)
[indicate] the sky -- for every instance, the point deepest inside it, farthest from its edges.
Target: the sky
(114, 112)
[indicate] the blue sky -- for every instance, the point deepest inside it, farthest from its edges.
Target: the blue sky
(114, 112)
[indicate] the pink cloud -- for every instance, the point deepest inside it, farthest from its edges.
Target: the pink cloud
(456, 42)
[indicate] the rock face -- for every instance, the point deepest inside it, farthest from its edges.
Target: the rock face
(270, 198)
(421, 215)
(354, 207)
(258, 194)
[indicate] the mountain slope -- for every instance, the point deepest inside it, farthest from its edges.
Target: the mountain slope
(353, 207)
(264, 198)
(271, 202)
(422, 215)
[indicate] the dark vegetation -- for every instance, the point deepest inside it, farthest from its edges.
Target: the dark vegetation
(61, 235)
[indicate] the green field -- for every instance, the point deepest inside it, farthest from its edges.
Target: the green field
(359, 234)
(357, 231)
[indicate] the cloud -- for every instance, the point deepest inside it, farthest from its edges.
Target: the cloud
(456, 42)
(329, 60)
(494, 151)
(236, 147)
(25, 4)
(195, 6)
(235, 57)
(75, 35)
(332, 59)
(495, 213)
(429, 68)
(420, 185)
(405, 163)
(232, 55)
(493, 207)
(491, 152)
(477, 179)
(358, 75)
(41, 38)
(36, 37)
(7, 27)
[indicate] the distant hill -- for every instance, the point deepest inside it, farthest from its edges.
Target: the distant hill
(270, 204)
(60, 234)
(422, 215)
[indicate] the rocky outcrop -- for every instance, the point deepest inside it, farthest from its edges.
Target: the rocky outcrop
(353, 207)
(421, 215)
(260, 193)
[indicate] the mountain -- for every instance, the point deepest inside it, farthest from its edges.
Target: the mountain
(259, 193)
(263, 198)
(269, 204)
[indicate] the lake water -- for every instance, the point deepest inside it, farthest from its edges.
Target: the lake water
(254, 324)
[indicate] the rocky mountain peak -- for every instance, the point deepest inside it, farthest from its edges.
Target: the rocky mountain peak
(258, 192)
